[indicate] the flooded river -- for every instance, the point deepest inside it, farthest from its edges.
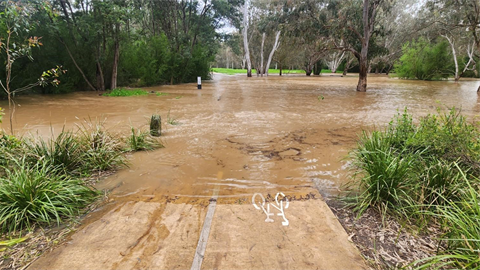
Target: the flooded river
(234, 138)
(281, 133)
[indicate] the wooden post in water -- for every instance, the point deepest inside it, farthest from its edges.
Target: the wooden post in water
(156, 125)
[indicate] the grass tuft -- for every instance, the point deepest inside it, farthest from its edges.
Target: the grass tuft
(141, 140)
(39, 194)
(101, 150)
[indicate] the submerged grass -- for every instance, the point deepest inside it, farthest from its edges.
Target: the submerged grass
(122, 92)
(141, 140)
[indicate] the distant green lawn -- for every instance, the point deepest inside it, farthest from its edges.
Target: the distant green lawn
(230, 71)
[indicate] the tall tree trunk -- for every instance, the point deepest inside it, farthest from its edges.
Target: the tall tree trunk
(262, 71)
(363, 57)
(116, 56)
(308, 69)
(346, 67)
(454, 53)
(245, 39)
(78, 68)
(362, 77)
(281, 69)
(272, 52)
(100, 77)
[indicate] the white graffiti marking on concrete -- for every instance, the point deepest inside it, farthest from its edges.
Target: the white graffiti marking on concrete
(278, 204)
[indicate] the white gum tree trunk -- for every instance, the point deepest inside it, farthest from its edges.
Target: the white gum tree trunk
(245, 39)
(272, 52)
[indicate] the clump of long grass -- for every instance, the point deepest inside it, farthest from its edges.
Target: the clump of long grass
(122, 92)
(101, 150)
(460, 219)
(10, 147)
(39, 194)
(383, 173)
(140, 140)
(63, 151)
(171, 120)
(426, 173)
(41, 179)
(411, 165)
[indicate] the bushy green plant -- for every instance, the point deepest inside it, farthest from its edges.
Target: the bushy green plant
(38, 193)
(410, 165)
(141, 140)
(425, 61)
(384, 172)
(122, 92)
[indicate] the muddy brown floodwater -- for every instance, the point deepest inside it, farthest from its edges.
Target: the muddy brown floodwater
(235, 137)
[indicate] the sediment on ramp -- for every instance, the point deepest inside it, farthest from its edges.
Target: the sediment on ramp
(152, 235)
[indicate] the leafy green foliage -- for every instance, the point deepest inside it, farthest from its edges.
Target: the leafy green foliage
(425, 61)
(39, 194)
(122, 92)
(426, 172)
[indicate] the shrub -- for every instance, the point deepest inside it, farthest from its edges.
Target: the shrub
(122, 92)
(39, 194)
(409, 166)
(425, 61)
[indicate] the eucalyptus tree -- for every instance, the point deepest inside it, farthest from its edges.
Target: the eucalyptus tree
(334, 59)
(246, 48)
(357, 26)
(261, 29)
(459, 14)
(308, 27)
(350, 62)
(401, 24)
